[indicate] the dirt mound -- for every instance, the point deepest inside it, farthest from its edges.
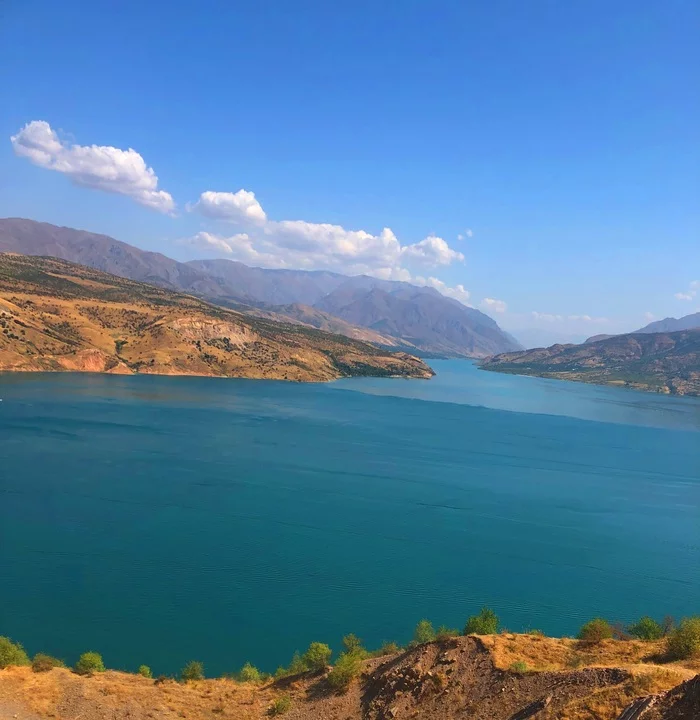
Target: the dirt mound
(458, 679)
(679, 703)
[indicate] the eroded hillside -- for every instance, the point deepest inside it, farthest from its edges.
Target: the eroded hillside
(500, 677)
(55, 315)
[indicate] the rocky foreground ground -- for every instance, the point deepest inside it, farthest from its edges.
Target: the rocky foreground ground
(500, 677)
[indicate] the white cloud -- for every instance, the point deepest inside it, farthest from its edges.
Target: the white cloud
(458, 292)
(690, 293)
(432, 251)
(649, 316)
(240, 207)
(101, 167)
(547, 317)
(497, 306)
(308, 245)
(468, 233)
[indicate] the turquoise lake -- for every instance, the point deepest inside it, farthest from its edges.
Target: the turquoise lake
(158, 520)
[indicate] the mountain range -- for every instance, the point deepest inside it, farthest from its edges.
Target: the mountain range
(395, 314)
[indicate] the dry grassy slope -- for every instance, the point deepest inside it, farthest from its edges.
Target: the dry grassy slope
(55, 315)
(457, 678)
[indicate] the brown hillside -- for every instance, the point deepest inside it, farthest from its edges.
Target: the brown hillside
(460, 678)
(55, 315)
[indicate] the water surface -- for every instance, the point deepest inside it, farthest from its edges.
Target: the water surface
(163, 519)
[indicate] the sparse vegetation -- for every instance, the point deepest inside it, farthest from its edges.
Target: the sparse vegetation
(347, 667)
(280, 706)
(519, 667)
(485, 623)
(12, 653)
(317, 657)
(353, 644)
(42, 662)
(89, 663)
(249, 673)
(145, 671)
(684, 641)
(595, 631)
(646, 629)
(194, 670)
(386, 648)
(445, 633)
(424, 633)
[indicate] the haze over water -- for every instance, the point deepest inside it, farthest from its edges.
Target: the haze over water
(158, 519)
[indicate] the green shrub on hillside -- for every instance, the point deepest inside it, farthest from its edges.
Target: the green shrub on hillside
(520, 666)
(145, 671)
(317, 657)
(595, 631)
(249, 673)
(89, 663)
(296, 667)
(347, 667)
(424, 632)
(12, 653)
(386, 648)
(280, 705)
(194, 670)
(43, 663)
(646, 629)
(353, 644)
(485, 623)
(445, 633)
(684, 641)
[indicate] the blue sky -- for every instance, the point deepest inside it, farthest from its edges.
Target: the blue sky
(558, 139)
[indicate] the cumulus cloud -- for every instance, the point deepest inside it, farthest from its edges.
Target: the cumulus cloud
(433, 251)
(497, 306)
(309, 245)
(239, 207)
(101, 167)
(468, 233)
(458, 292)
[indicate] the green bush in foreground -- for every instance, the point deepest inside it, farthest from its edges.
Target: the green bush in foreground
(194, 670)
(12, 653)
(43, 663)
(424, 632)
(145, 671)
(249, 673)
(684, 641)
(347, 667)
(317, 657)
(595, 631)
(646, 629)
(89, 663)
(280, 706)
(485, 623)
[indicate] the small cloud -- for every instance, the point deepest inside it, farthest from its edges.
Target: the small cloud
(238, 207)
(468, 233)
(432, 251)
(649, 316)
(458, 292)
(497, 306)
(690, 293)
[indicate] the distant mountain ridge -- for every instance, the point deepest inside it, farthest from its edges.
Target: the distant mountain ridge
(660, 362)
(404, 315)
(669, 324)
